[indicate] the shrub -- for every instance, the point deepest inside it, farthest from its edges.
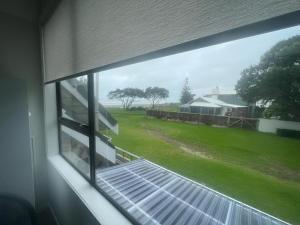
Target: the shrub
(138, 108)
(288, 133)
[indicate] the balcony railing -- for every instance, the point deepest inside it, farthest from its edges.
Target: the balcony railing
(125, 156)
(107, 115)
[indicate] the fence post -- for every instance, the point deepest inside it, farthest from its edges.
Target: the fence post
(218, 120)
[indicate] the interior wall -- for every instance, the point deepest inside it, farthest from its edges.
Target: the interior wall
(16, 174)
(20, 58)
(26, 10)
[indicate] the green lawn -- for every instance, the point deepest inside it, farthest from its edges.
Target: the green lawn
(262, 170)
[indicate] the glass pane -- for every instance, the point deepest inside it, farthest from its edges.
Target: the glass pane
(219, 115)
(74, 101)
(106, 127)
(75, 147)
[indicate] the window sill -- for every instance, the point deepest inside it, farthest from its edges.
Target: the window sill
(98, 205)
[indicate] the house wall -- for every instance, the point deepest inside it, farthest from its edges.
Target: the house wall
(223, 111)
(271, 126)
(207, 111)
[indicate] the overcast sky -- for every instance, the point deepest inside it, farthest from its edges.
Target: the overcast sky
(219, 65)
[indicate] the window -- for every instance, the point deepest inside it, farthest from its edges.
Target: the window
(191, 113)
(85, 131)
(74, 99)
(75, 147)
(74, 123)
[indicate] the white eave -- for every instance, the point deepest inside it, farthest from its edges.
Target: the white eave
(205, 104)
(211, 103)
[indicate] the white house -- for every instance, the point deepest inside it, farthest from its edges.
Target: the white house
(216, 104)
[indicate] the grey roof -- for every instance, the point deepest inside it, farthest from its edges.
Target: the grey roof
(154, 195)
(210, 102)
(230, 99)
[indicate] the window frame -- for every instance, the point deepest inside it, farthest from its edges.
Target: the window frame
(90, 132)
(269, 25)
(85, 129)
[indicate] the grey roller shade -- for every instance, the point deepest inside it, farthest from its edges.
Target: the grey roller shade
(84, 34)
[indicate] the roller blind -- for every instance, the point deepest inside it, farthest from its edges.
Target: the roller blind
(84, 34)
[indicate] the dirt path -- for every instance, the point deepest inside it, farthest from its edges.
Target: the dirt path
(270, 168)
(191, 149)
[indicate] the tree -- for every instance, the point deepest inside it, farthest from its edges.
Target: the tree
(186, 94)
(127, 96)
(275, 81)
(155, 94)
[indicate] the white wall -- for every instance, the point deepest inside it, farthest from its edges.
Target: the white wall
(16, 174)
(20, 58)
(271, 125)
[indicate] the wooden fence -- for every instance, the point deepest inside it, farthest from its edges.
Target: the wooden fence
(240, 122)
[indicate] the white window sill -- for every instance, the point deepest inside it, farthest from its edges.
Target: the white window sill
(98, 205)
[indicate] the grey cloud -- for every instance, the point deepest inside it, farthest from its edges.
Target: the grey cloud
(218, 65)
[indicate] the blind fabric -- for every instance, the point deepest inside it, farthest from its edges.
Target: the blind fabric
(83, 35)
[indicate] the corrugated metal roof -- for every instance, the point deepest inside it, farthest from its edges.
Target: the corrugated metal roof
(154, 195)
(221, 103)
(211, 102)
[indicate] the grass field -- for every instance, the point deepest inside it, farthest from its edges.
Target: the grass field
(262, 170)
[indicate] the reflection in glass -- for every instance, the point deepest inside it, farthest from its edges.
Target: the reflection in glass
(75, 147)
(74, 101)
